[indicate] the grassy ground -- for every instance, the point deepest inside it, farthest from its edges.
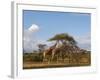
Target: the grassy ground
(32, 65)
(33, 61)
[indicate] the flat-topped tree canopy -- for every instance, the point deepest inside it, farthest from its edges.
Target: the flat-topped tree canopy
(63, 37)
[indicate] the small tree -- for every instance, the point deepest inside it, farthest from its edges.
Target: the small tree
(41, 47)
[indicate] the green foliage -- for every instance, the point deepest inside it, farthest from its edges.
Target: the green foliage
(37, 58)
(32, 57)
(63, 37)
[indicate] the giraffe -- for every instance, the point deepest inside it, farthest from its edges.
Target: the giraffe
(49, 51)
(59, 51)
(69, 51)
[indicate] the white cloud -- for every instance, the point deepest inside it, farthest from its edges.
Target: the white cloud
(30, 41)
(84, 41)
(34, 28)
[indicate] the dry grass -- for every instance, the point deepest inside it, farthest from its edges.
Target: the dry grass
(81, 60)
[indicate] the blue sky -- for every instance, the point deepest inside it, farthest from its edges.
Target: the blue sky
(51, 23)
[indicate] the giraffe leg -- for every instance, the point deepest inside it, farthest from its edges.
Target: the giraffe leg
(44, 54)
(53, 53)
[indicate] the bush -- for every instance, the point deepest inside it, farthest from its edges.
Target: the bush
(37, 58)
(32, 57)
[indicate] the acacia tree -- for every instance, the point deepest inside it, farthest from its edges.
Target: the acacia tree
(68, 42)
(64, 38)
(41, 47)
